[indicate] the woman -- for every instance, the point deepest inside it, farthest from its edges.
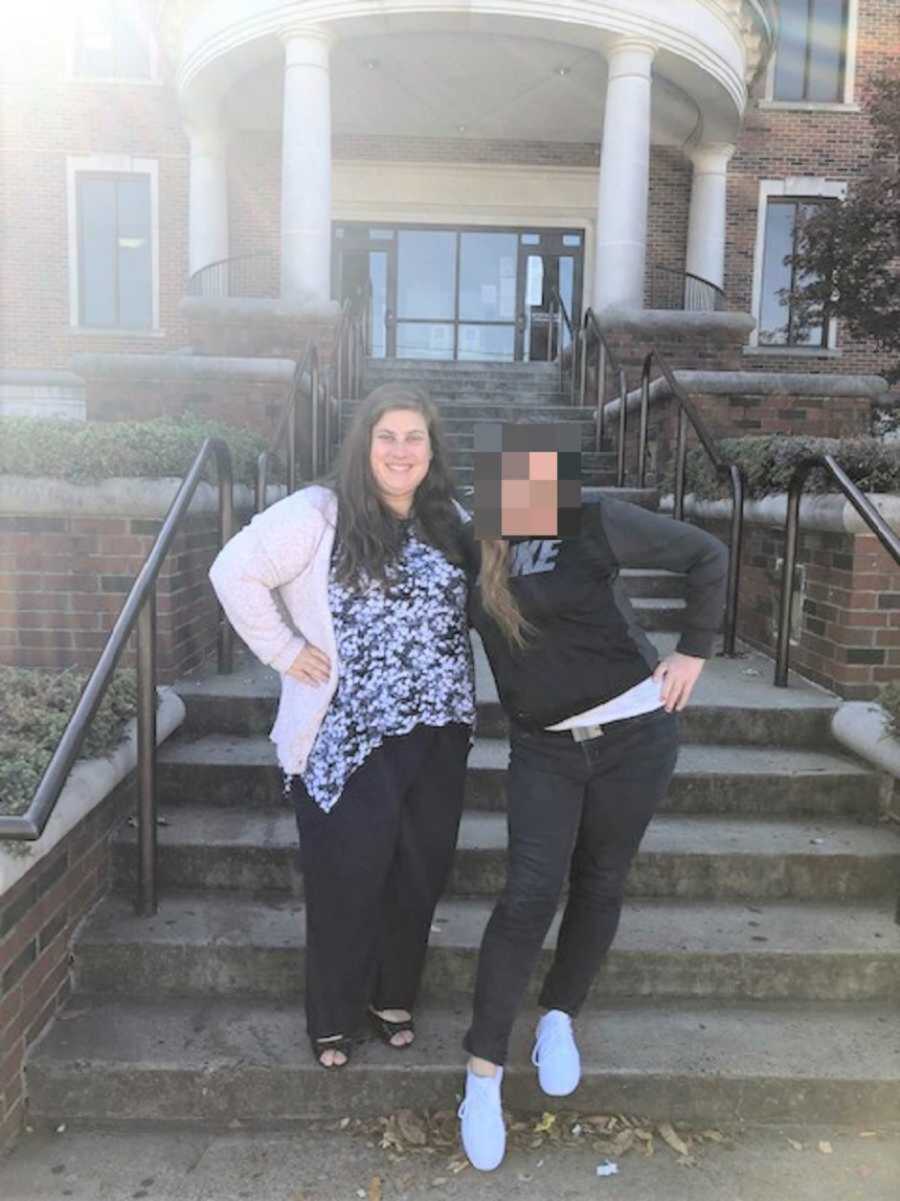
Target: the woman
(593, 737)
(356, 593)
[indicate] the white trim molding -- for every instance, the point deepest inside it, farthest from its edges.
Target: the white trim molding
(848, 102)
(110, 164)
(799, 187)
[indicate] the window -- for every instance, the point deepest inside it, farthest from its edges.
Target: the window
(113, 243)
(778, 325)
(811, 59)
(111, 42)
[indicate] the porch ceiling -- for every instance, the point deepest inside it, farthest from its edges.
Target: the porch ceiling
(480, 86)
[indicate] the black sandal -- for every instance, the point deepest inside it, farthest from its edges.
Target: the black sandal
(343, 1045)
(387, 1030)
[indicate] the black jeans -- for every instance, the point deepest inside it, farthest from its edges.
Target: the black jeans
(374, 868)
(576, 807)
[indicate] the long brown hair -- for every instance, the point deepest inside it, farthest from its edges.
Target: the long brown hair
(496, 596)
(369, 536)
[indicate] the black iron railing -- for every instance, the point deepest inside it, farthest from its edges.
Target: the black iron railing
(596, 360)
(565, 344)
(680, 290)
(251, 276)
(864, 507)
(138, 610)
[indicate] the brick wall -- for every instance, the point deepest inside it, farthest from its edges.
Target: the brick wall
(63, 581)
(46, 118)
(846, 627)
(38, 920)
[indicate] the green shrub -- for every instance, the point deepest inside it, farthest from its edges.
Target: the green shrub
(890, 702)
(34, 709)
(85, 452)
(769, 462)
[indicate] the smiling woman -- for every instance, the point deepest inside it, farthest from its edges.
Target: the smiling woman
(377, 704)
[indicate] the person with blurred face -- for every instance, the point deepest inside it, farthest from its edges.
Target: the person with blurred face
(593, 733)
(356, 592)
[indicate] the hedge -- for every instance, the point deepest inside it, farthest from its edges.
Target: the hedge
(34, 709)
(85, 452)
(769, 461)
(890, 702)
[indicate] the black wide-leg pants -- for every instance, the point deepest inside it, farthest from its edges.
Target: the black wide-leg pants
(578, 809)
(374, 868)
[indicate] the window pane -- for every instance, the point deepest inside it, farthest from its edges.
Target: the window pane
(426, 273)
(135, 254)
(132, 50)
(487, 342)
(97, 251)
(487, 277)
(566, 291)
(790, 56)
(826, 66)
(812, 333)
(423, 341)
(96, 44)
(773, 311)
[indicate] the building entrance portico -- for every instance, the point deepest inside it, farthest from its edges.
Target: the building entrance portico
(470, 293)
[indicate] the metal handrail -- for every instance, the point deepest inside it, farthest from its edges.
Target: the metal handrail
(138, 610)
(563, 319)
(864, 507)
(688, 412)
(606, 360)
(228, 277)
(694, 293)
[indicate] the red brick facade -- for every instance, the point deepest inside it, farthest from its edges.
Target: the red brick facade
(47, 117)
(38, 919)
(63, 581)
(846, 628)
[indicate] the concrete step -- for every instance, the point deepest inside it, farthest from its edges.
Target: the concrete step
(475, 407)
(213, 1063)
(201, 944)
(691, 858)
(728, 780)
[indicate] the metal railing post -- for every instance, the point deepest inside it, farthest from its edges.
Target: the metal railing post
(262, 482)
(623, 429)
(582, 364)
(791, 529)
(644, 423)
(601, 391)
(734, 560)
(680, 463)
(146, 901)
(225, 477)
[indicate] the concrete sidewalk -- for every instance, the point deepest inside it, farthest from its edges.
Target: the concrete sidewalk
(323, 1163)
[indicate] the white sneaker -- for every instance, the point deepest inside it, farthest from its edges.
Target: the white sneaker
(555, 1054)
(482, 1129)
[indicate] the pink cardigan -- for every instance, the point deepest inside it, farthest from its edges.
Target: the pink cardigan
(272, 580)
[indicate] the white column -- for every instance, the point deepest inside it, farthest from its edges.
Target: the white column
(306, 167)
(624, 177)
(208, 204)
(709, 197)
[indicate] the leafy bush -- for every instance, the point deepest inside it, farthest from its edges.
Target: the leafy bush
(890, 702)
(85, 452)
(769, 462)
(34, 709)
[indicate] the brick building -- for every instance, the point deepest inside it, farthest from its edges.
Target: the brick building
(459, 159)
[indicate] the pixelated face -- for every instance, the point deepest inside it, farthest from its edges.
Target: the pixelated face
(527, 480)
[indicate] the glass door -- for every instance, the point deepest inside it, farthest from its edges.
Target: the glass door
(549, 263)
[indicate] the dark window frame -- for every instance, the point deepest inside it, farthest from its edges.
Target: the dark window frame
(809, 49)
(794, 202)
(113, 176)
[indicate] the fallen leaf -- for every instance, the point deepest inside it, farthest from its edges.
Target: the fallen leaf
(673, 1140)
(868, 1134)
(825, 1147)
(412, 1128)
(343, 1123)
(797, 1146)
(547, 1122)
(374, 1189)
(438, 1181)
(457, 1165)
(713, 1136)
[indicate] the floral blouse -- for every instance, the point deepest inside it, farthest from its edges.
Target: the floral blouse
(404, 660)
